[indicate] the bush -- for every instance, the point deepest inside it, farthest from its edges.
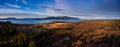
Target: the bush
(31, 44)
(21, 38)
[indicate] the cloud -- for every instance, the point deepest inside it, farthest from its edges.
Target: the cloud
(89, 9)
(77, 8)
(4, 13)
(1, 6)
(84, 15)
(52, 11)
(20, 15)
(24, 1)
(62, 4)
(13, 5)
(96, 17)
(55, 9)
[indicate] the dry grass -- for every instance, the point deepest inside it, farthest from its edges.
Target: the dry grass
(96, 33)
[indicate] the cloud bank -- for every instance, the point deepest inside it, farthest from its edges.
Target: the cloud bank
(13, 5)
(4, 13)
(84, 9)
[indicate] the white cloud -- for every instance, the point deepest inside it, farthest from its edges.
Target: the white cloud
(62, 4)
(82, 15)
(28, 8)
(52, 12)
(4, 13)
(24, 1)
(13, 5)
(1, 6)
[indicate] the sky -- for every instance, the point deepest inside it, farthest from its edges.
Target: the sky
(83, 9)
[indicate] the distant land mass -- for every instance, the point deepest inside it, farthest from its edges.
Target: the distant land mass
(47, 18)
(40, 20)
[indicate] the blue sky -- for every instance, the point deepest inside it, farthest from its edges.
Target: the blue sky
(84, 9)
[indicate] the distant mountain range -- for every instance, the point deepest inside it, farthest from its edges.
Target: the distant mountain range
(47, 18)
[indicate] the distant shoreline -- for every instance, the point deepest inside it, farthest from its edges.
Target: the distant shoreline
(60, 21)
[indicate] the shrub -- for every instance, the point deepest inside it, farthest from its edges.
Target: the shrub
(31, 44)
(20, 38)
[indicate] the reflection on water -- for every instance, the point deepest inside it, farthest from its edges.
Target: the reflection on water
(37, 21)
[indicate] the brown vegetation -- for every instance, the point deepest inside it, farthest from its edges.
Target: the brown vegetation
(96, 33)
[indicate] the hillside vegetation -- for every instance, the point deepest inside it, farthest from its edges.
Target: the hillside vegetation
(95, 33)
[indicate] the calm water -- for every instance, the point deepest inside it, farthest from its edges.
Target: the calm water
(36, 21)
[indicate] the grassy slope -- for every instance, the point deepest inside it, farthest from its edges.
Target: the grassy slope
(96, 33)
(85, 34)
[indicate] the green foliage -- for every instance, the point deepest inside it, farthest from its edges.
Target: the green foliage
(3, 42)
(7, 28)
(20, 38)
(31, 44)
